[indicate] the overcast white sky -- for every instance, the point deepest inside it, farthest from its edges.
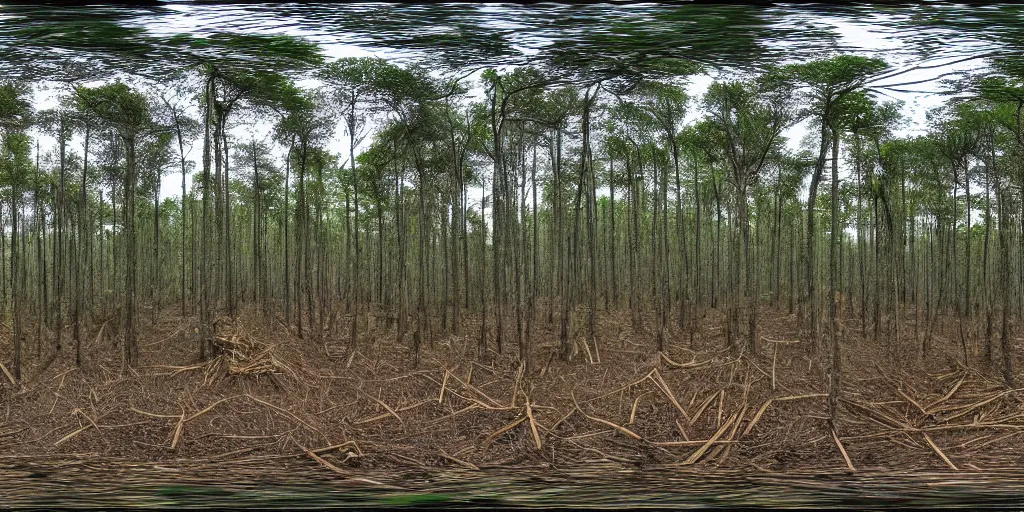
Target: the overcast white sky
(870, 38)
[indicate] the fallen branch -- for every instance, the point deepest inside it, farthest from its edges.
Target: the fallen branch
(533, 424)
(732, 435)
(287, 413)
(210, 407)
(636, 402)
(969, 408)
(389, 414)
(177, 432)
(8, 374)
(757, 417)
(338, 447)
(703, 405)
(320, 460)
(493, 437)
(99, 335)
(699, 442)
(842, 450)
(769, 340)
(682, 366)
(472, 388)
(560, 421)
(444, 383)
(71, 435)
(663, 386)
(619, 428)
(704, 448)
(382, 404)
(465, 464)
(939, 452)
(912, 401)
(948, 395)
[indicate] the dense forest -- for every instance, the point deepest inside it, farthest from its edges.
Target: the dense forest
(515, 211)
(506, 208)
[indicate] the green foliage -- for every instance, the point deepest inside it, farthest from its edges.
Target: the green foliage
(16, 167)
(825, 81)
(749, 127)
(117, 105)
(828, 78)
(15, 107)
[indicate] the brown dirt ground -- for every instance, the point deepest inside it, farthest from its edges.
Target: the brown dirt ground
(272, 396)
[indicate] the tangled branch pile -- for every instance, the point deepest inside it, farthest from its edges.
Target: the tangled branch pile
(242, 354)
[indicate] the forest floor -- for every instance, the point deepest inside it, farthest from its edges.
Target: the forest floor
(272, 401)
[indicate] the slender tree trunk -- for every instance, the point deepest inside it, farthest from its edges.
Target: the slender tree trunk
(986, 265)
(835, 372)
(812, 293)
(354, 278)
(130, 347)
(482, 346)
(83, 219)
(286, 270)
(16, 289)
(205, 271)
(612, 245)
(229, 268)
(1005, 344)
(60, 219)
(591, 224)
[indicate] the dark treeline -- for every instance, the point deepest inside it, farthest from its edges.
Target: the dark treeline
(542, 202)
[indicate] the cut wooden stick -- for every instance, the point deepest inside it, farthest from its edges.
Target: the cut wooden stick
(721, 406)
(632, 411)
(775, 355)
(700, 451)
(518, 383)
(677, 365)
(948, 395)
(287, 413)
(935, 447)
(756, 418)
(682, 431)
(736, 424)
(533, 424)
(1000, 438)
(320, 460)
(444, 383)
(465, 464)
(99, 335)
(724, 449)
(621, 389)
(382, 404)
(769, 340)
(560, 421)
(703, 405)
(177, 432)
(663, 386)
(493, 437)
(209, 408)
(912, 401)
(696, 442)
(479, 403)
(972, 407)
(8, 374)
(71, 435)
(800, 397)
(619, 428)
(842, 450)
(467, 385)
(338, 447)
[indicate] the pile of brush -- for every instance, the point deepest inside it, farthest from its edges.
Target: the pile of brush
(243, 354)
